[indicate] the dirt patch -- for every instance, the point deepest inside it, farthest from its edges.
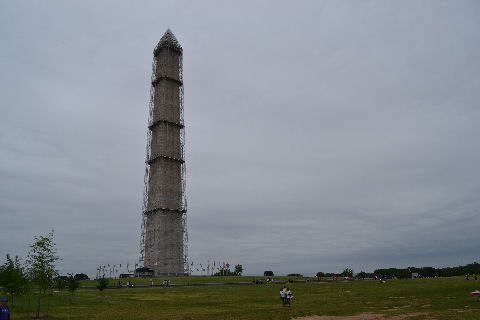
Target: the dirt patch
(365, 316)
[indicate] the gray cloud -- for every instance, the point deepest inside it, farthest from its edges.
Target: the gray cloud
(318, 135)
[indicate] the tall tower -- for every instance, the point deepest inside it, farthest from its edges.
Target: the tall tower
(163, 245)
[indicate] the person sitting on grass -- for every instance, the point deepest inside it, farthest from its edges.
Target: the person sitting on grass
(4, 311)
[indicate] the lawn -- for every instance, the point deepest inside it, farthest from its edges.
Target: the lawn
(439, 298)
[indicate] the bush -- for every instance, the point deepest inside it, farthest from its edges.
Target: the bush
(294, 275)
(81, 276)
(268, 274)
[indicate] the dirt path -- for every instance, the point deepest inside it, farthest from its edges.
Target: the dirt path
(365, 316)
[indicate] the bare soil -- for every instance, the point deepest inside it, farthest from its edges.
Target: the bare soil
(366, 316)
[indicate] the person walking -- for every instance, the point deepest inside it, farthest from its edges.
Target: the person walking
(289, 296)
(4, 311)
(283, 296)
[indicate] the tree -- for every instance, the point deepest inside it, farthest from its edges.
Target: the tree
(347, 272)
(13, 278)
(238, 270)
(61, 282)
(81, 276)
(41, 264)
(268, 273)
(102, 283)
(72, 284)
(320, 274)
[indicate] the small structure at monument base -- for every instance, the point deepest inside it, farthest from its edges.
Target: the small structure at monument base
(143, 272)
(171, 274)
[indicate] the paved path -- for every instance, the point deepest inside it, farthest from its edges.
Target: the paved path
(215, 284)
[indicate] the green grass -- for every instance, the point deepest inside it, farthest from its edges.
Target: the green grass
(440, 298)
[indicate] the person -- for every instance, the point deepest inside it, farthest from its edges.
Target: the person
(4, 311)
(283, 296)
(289, 296)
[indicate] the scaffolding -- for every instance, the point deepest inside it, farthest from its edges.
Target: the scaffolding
(165, 144)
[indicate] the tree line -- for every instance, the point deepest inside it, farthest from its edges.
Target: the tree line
(405, 273)
(472, 268)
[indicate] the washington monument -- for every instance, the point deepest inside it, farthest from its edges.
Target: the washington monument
(163, 244)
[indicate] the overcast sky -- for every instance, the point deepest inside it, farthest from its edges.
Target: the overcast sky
(320, 135)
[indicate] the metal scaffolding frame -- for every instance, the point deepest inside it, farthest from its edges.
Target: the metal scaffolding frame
(182, 203)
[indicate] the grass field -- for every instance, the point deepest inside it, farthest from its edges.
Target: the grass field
(439, 298)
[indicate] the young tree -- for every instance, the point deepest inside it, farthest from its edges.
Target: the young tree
(60, 282)
(102, 283)
(238, 270)
(13, 278)
(347, 272)
(41, 264)
(72, 285)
